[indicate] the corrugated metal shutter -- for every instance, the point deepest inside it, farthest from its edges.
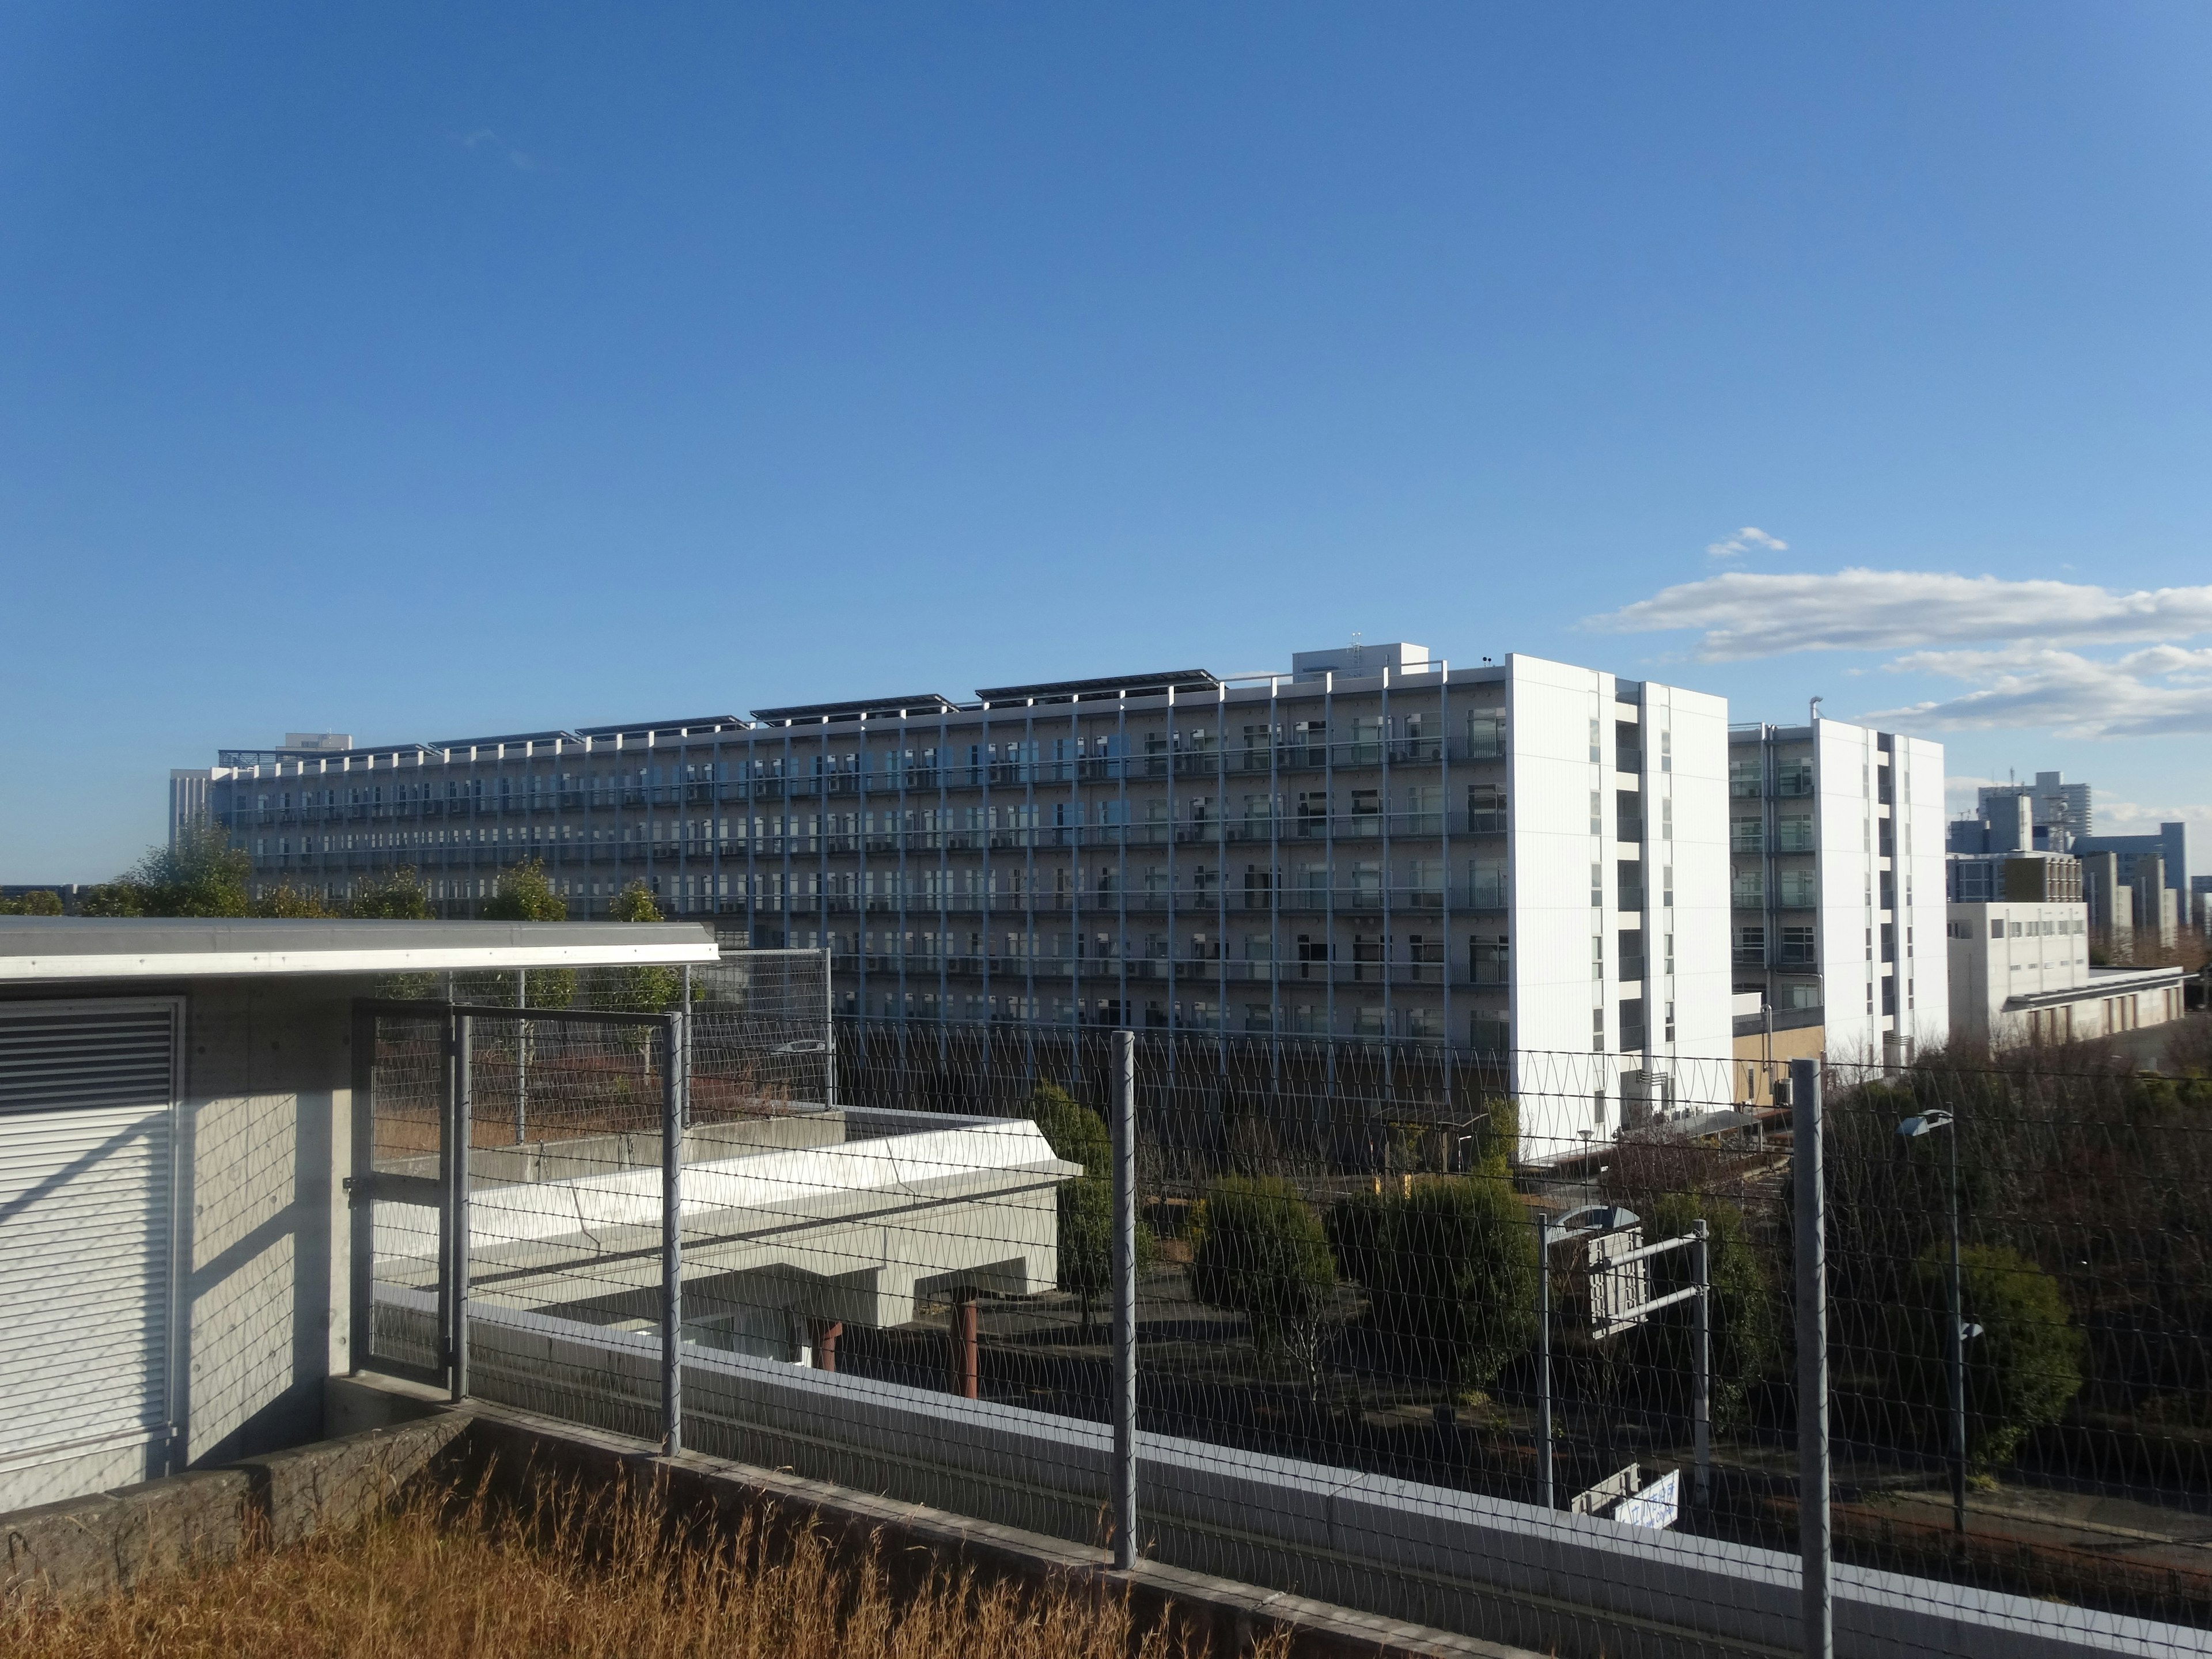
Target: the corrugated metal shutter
(88, 1110)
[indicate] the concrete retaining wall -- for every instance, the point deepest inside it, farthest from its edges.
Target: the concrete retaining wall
(89, 1547)
(1458, 1560)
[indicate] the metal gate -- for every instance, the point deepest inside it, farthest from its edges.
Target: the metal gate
(473, 1111)
(88, 1100)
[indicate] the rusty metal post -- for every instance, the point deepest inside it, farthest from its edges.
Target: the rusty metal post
(965, 1357)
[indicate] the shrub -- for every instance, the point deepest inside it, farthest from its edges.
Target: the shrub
(526, 895)
(1079, 1135)
(399, 896)
(2022, 1371)
(39, 901)
(1450, 1271)
(1262, 1252)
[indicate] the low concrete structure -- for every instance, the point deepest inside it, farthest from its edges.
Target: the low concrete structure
(811, 1218)
(176, 1104)
(2021, 973)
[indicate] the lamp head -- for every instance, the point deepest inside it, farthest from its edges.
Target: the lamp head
(1597, 1219)
(1914, 1127)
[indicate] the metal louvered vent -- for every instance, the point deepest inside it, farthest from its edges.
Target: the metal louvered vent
(52, 1062)
(87, 1161)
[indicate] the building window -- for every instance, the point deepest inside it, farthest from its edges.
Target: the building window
(1597, 1030)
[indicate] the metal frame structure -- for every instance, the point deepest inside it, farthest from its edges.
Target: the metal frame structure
(448, 1192)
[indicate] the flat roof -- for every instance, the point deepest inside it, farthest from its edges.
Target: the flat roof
(922, 702)
(1183, 679)
(35, 950)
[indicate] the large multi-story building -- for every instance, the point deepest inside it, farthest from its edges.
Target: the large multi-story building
(1836, 839)
(1526, 856)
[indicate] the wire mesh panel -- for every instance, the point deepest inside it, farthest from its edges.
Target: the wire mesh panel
(1559, 1281)
(1502, 1342)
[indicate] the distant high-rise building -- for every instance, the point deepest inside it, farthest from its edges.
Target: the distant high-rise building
(2060, 811)
(2170, 846)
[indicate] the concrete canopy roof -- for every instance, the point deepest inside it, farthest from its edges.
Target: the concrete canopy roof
(43, 949)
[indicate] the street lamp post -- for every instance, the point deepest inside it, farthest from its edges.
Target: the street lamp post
(1954, 1325)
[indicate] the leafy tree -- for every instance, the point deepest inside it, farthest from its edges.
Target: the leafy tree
(2022, 1371)
(112, 898)
(1450, 1271)
(198, 874)
(1496, 1135)
(633, 903)
(287, 900)
(39, 901)
(1262, 1252)
(641, 990)
(526, 895)
(399, 896)
(1079, 1135)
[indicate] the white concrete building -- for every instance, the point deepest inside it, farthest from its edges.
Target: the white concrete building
(2021, 973)
(1836, 846)
(1526, 856)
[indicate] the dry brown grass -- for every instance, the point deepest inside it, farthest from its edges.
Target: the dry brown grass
(570, 1572)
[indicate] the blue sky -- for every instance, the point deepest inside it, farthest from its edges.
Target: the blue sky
(416, 371)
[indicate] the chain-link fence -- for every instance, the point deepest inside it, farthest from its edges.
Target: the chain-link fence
(1508, 1342)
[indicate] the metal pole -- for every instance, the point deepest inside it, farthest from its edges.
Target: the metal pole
(1544, 1361)
(675, 1066)
(1817, 1611)
(829, 1033)
(522, 1057)
(1701, 1399)
(1125, 1300)
(1956, 1349)
(460, 1123)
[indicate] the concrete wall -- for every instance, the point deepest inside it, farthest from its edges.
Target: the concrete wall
(1511, 1572)
(1923, 1004)
(265, 1143)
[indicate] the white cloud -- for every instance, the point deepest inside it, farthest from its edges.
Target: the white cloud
(1743, 541)
(2122, 818)
(2163, 691)
(1964, 794)
(1742, 614)
(520, 161)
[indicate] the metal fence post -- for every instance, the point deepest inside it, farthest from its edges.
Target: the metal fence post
(1811, 1243)
(522, 1036)
(829, 1033)
(675, 1066)
(1544, 1361)
(1125, 1299)
(1701, 1399)
(361, 1298)
(460, 1124)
